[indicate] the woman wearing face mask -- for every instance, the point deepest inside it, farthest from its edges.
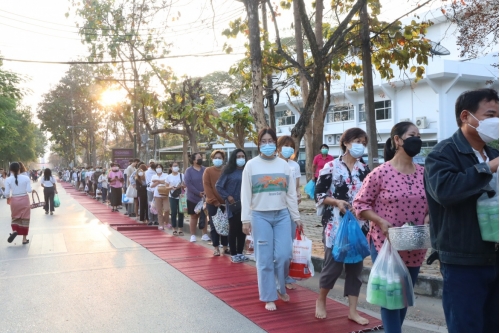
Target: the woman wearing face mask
(195, 193)
(286, 148)
(268, 199)
(176, 181)
(115, 179)
(392, 195)
(213, 199)
(161, 202)
(229, 188)
(339, 182)
(142, 193)
(103, 180)
(320, 160)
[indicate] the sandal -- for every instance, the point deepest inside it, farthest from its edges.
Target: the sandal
(12, 236)
(27, 241)
(180, 233)
(174, 233)
(216, 252)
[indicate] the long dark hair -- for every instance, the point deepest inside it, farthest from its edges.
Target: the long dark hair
(390, 146)
(231, 163)
(14, 167)
(47, 173)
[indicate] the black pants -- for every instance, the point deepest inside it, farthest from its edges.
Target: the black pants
(236, 235)
(48, 193)
(104, 194)
(212, 210)
(142, 195)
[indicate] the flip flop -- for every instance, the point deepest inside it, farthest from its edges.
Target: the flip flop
(180, 233)
(12, 236)
(27, 241)
(174, 233)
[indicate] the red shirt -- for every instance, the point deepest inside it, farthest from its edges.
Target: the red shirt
(320, 162)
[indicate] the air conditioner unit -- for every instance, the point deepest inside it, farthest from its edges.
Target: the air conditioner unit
(330, 139)
(422, 122)
(337, 138)
(404, 119)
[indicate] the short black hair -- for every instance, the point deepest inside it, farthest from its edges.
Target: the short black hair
(469, 100)
(324, 145)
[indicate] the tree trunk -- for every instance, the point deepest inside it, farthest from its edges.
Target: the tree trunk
(318, 120)
(252, 8)
(193, 141)
(269, 85)
(371, 125)
(185, 159)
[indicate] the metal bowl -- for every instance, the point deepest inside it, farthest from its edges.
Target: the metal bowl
(410, 238)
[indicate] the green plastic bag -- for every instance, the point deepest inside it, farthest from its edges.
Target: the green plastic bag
(57, 202)
(487, 213)
(183, 203)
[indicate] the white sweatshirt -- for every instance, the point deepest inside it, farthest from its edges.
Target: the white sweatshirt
(265, 187)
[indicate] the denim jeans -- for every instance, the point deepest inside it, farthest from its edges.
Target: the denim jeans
(176, 215)
(152, 217)
(470, 298)
(104, 194)
(393, 319)
(273, 251)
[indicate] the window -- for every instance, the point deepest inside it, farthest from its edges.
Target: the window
(382, 111)
(337, 113)
(286, 117)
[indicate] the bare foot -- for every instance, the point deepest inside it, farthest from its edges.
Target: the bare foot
(284, 297)
(320, 309)
(358, 319)
(290, 286)
(270, 306)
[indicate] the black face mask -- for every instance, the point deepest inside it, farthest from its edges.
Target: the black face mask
(412, 145)
(199, 161)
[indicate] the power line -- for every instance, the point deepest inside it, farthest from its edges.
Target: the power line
(117, 61)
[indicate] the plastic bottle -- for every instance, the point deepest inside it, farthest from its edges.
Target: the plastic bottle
(398, 293)
(382, 301)
(373, 297)
(389, 293)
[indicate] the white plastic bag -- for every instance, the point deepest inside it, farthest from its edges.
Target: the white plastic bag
(301, 266)
(221, 222)
(389, 284)
(86, 188)
(198, 207)
(131, 192)
(152, 207)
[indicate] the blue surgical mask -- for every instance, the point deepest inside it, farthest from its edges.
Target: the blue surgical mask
(218, 162)
(287, 152)
(240, 162)
(268, 149)
(357, 150)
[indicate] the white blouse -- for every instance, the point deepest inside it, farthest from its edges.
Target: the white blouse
(23, 186)
(48, 183)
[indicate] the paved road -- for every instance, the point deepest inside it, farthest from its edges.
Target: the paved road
(78, 275)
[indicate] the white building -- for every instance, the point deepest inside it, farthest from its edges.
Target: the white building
(429, 103)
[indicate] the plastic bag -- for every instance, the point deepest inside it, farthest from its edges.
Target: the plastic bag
(350, 245)
(389, 284)
(131, 192)
(86, 188)
(152, 207)
(81, 187)
(57, 202)
(202, 221)
(198, 208)
(310, 188)
(301, 266)
(487, 213)
(125, 199)
(221, 222)
(183, 203)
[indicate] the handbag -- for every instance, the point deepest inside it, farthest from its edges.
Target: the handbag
(131, 192)
(235, 207)
(177, 192)
(221, 222)
(162, 190)
(37, 203)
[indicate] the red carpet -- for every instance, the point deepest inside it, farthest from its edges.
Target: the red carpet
(236, 285)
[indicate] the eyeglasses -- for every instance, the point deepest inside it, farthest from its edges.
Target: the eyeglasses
(264, 142)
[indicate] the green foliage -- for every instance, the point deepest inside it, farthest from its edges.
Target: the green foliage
(223, 86)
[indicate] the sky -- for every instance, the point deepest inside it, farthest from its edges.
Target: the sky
(39, 30)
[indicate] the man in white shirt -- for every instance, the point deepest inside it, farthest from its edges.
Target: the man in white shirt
(153, 218)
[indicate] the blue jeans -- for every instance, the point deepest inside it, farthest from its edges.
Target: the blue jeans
(393, 319)
(273, 251)
(470, 298)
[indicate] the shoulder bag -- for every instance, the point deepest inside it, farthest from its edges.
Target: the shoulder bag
(177, 192)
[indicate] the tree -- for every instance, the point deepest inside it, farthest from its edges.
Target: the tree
(225, 88)
(478, 26)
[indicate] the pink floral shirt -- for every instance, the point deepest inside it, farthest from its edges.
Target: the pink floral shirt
(397, 198)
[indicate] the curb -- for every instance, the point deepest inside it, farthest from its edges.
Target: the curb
(426, 285)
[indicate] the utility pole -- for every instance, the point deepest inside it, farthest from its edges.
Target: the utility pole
(73, 132)
(371, 122)
(269, 88)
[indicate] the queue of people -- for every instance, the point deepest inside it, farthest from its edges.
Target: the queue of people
(261, 197)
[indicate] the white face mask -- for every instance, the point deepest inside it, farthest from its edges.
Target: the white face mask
(175, 169)
(159, 170)
(487, 129)
(357, 150)
(140, 173)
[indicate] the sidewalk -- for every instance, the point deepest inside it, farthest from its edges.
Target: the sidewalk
(429, 279)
